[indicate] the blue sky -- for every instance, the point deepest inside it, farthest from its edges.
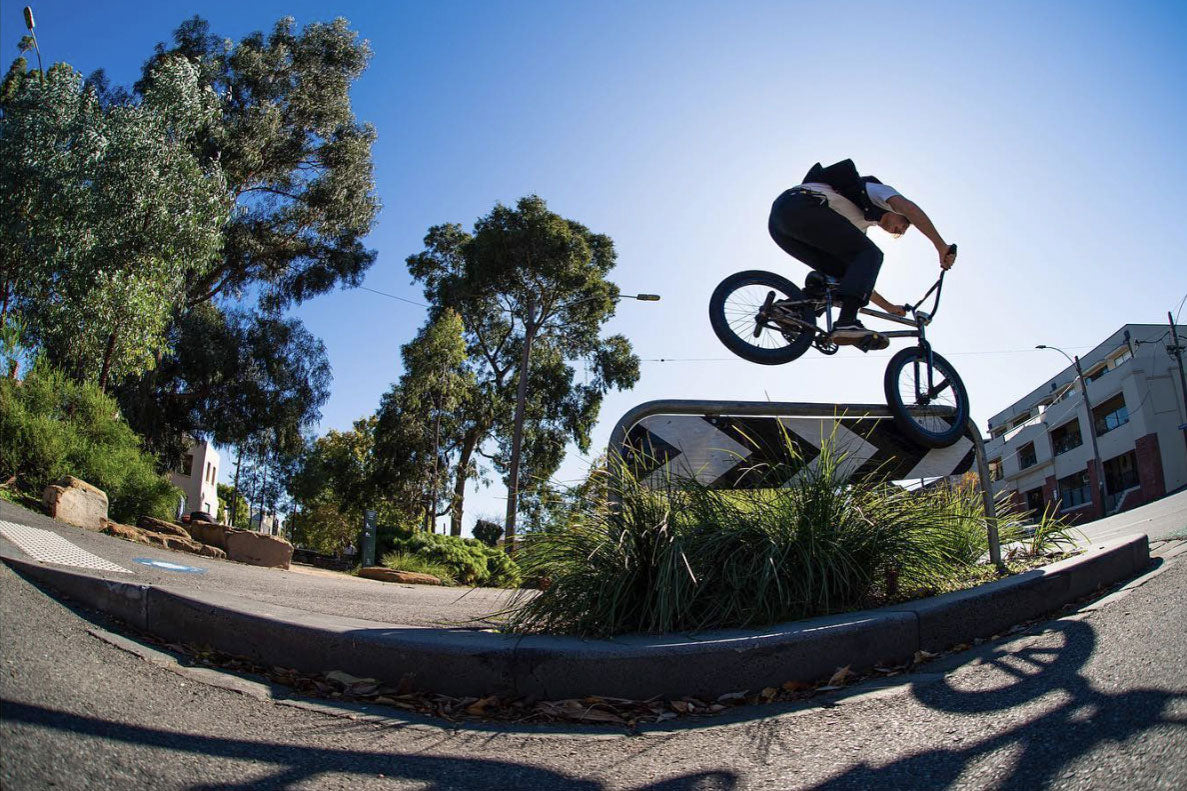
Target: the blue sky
(1045, 138)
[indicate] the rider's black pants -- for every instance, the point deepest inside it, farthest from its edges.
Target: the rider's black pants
(813, 233)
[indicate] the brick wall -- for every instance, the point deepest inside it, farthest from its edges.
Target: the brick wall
(1150, 473)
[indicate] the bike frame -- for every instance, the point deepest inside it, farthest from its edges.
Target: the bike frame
(919, 321)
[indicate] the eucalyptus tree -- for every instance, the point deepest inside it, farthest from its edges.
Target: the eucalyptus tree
(107, 214)
(419, 418)
(532, 290)
(297, 162)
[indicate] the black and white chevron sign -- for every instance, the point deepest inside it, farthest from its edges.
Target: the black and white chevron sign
(748, 452)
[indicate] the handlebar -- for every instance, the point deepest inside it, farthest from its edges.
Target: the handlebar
(937, 287)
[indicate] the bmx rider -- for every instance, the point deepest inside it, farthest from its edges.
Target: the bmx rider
(823, 223)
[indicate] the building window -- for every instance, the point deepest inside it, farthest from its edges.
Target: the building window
(1096, 373)
(1074, 490)
(1026, 456)
(1123, 356)
(1110, 415)
(1121, 473)
(1066, 437)
(187, 465)
(1034, 501)
(995, 469)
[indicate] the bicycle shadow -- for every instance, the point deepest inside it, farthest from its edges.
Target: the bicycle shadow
(298, 765)
(1044, 745)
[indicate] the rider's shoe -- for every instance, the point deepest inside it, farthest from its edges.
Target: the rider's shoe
(851, 333)
(874, 342)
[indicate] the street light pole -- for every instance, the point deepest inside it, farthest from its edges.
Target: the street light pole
(1100, 470)
(532, 325)
(36, 48)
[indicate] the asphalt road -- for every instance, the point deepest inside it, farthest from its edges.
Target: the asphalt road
(1095, 700)
(305, 588)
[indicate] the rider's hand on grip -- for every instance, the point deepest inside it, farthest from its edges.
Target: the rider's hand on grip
(948, 258)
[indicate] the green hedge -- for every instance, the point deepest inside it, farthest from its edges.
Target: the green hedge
(51, 426)
(470, 562)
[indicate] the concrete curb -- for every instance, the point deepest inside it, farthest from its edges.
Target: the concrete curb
(463, 662)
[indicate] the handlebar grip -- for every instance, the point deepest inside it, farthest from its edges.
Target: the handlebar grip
(952, 249)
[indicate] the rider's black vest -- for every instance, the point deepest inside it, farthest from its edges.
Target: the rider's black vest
(844, 178)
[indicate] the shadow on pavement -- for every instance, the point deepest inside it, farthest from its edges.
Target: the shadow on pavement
(298, 763)
(1045, 745)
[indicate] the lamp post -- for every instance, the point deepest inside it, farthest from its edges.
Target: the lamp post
(1100, 470)
(36, 48)
(532, 325)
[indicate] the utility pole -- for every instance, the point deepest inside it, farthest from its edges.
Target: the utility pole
(1177, 351)
(1100, 470)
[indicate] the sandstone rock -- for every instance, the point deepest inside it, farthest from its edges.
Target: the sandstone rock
(208, 551)
(257, 549)
(384, 574)
(210, 533)
(161, 526)
(177, 543)
(76, 502)
(126, 532)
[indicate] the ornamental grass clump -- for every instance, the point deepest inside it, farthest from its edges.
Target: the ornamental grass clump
(675, 555)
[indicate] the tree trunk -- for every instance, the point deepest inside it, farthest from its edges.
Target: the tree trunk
(106, 362)
(517, 431)
(459, 483)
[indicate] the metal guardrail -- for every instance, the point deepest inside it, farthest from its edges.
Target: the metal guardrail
(722, 412)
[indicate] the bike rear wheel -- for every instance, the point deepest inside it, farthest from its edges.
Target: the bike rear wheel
(914, 383)
(741, 313)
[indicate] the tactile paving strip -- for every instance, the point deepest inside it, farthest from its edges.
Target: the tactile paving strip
(49, 547)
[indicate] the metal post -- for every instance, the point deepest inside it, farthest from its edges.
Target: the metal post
(995, 547)
(1100, 470)
(369, 537)
(1177, 351)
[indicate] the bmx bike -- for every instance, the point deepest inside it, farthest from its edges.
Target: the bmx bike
(765, 318)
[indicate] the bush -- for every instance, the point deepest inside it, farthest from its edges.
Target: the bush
(488, 532)
(50, 426)
(419, 564)
(469, 561)
(682, 556)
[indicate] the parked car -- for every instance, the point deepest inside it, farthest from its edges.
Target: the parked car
(199, 516)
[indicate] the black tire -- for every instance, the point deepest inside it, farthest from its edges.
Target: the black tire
(733, 313)
(899, 384)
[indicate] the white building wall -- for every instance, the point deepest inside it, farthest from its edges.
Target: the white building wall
(1149, 384)
(199, 479)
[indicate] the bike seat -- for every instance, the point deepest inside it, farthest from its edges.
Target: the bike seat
(817, 283)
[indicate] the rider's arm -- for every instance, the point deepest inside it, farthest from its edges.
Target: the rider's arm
(921, 221)
(886, 305)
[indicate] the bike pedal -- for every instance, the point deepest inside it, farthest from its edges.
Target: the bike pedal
(874, 343)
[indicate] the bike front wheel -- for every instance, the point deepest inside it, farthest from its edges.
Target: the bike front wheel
(926, 397)
(747, 315)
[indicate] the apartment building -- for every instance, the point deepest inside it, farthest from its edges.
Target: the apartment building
(1039, 447)
(197, 477)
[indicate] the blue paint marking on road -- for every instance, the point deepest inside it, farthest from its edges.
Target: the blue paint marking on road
(164, 564)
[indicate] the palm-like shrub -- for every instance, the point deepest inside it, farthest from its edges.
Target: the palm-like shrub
(681, 556)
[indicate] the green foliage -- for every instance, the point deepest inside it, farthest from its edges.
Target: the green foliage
(296, 161)
(51, 426)
(106, 213)
(469, 561)
(686, 557)
(488, 532)
(401, 561)
(323, 528)
(226, 493)
(230, 375)
(418, 425)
